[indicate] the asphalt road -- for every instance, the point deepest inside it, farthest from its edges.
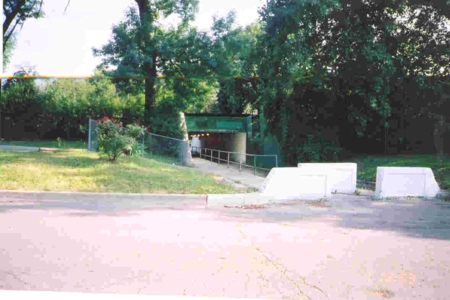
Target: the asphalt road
(350, 248)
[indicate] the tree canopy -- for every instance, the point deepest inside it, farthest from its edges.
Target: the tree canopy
(337, 74)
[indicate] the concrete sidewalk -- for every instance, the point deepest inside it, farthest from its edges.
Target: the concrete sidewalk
(231, 174)
(19, 148)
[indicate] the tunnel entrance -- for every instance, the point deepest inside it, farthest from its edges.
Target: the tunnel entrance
(219, 132)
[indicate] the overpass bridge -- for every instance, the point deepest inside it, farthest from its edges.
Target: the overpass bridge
(220, 132)
(232, 133)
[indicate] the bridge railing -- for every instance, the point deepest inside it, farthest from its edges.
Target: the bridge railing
(208, 153)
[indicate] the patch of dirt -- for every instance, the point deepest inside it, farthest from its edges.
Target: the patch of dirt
(218, 178)
(309, 203)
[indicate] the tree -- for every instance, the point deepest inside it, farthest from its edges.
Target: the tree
(16, 12)
(137, 47)
(366, 44)
(233, 48)
(9, 48)
(20, 103)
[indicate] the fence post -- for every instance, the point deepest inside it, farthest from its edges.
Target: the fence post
(89, 136)
(211, 154)
(276, 161)
(218, 160)
(228, 160)
(240, 163)
(254, 165)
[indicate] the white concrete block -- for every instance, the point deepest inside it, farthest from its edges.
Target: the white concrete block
(344, 178)
(405, 181)
(297, 183)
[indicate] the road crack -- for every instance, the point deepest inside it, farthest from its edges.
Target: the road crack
(282, 269)
(17, 278)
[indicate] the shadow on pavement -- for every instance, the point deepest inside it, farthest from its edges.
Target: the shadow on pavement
(418, 218)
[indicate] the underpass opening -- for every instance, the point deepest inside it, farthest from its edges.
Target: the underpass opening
(220, 133)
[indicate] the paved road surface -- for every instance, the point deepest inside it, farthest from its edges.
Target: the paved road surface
(350, 248)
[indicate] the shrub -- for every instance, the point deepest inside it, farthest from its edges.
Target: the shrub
(316, 149)
(135, 131)
(114, 140)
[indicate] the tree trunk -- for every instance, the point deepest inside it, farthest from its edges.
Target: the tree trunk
(150, 83)
(149, 67)
(9, 18)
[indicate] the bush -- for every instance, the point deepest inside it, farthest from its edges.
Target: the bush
(135, 131)
(114, 140)
(316, 149)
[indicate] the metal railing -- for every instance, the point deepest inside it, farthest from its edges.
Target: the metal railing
(203, 152)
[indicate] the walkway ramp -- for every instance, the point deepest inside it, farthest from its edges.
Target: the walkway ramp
(245, 178)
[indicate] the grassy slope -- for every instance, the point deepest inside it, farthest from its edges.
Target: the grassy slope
(84, 172)
(367, 166)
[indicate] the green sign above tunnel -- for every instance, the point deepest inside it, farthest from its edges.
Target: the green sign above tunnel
(215, 123)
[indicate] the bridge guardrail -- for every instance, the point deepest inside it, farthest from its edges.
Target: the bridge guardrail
(203, 152)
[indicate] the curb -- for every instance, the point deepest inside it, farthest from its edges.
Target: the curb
(103, 198)
(251, 199)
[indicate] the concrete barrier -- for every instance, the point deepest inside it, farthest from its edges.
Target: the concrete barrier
(343, 179)
(405, 181)
(298, 183)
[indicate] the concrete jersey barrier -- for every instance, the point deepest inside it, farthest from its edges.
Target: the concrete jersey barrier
(342, 175)
(298, 183)
(405, 181)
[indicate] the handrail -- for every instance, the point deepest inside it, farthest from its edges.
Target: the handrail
(232, 162)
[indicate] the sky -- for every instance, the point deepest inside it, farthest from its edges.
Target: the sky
(61, 44)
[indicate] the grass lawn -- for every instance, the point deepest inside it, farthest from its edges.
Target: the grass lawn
(47, 144)
(367, 166)
(82, 171)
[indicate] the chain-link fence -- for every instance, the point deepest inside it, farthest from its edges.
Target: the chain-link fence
(160, 145)
(93, 137)
(154, 145)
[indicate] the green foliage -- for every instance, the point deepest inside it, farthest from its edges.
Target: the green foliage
(135, 131)
(138, 149)
(140, 46)
(114, 140)
(233, 48)
(165, 120)
(316, 149)
(367, 45)
(10, 45)
(111, 140)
